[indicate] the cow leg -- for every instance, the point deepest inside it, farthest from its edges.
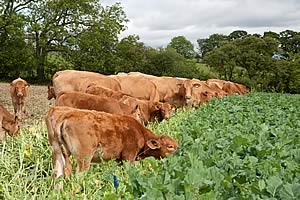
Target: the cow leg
(59, 161)
(68, 166)
(83, 162)
(23, 107)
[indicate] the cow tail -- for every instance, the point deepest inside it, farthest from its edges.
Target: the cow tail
(58, 151)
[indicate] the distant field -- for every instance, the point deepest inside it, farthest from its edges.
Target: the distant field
(240, 147)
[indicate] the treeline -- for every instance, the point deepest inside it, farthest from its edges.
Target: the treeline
(40, 37)
(266, 62)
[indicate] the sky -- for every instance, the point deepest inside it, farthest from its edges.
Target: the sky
(156, 22)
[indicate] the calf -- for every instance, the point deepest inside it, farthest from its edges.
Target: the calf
(92, 136)
(93, 102)
(19, 92)
(9, 123)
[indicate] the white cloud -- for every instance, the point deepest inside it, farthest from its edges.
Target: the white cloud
(158, 21)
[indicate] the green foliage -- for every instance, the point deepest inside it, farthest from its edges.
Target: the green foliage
(132, 55)
(208, 44)
(182, 46)
(94, 49)
(224, 60)
(238, 34)
(290, 41)
(239, 147)
(56, 62)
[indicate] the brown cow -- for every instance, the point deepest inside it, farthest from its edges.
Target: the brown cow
(92, 136)
(104, 92)
(138, 87)
(93, 102)
(198, 92)
(73, 80)
(242, 88)
(9, 123)
(229, 87)
(18, 93)
(149, 109)
(170, 89)
(216, 87)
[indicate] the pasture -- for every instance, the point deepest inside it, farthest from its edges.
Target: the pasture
(239, 147)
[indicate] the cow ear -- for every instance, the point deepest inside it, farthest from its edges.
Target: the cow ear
(153, 144)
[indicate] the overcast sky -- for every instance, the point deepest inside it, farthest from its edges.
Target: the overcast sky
(158, 21)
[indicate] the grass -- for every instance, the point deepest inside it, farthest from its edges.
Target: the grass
(240, 147)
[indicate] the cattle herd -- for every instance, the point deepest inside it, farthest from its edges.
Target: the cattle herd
(102, 117)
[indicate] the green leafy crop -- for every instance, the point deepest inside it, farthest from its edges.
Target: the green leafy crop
(239, 147)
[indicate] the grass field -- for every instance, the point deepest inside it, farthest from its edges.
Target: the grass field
(240, 147)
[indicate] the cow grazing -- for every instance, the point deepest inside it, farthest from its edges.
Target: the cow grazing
(216, 87)
(170, 89)
(93, 102)
(9, 123)
(229, 87)
(138, 87)
(19, 92)
(242, 88)
(92, 136)
(149, 109)
(73, 80)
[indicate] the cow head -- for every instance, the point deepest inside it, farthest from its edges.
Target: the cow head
(160, 110)
(20, 87)
(159, 147)
(197, 92)
(12, 126)
(51, 93)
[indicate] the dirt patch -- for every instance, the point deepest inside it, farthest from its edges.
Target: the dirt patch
(37, 103)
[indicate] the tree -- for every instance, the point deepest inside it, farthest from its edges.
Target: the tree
(64, 25)
(256, 55)
(208, 44)
(290, 41)
(223, 60)
(15, 52)
(237, 34)
(131, 54)
(271, 34)
(182, 46)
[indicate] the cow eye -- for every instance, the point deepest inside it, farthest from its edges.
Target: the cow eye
(170, 146)
(196, 85)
